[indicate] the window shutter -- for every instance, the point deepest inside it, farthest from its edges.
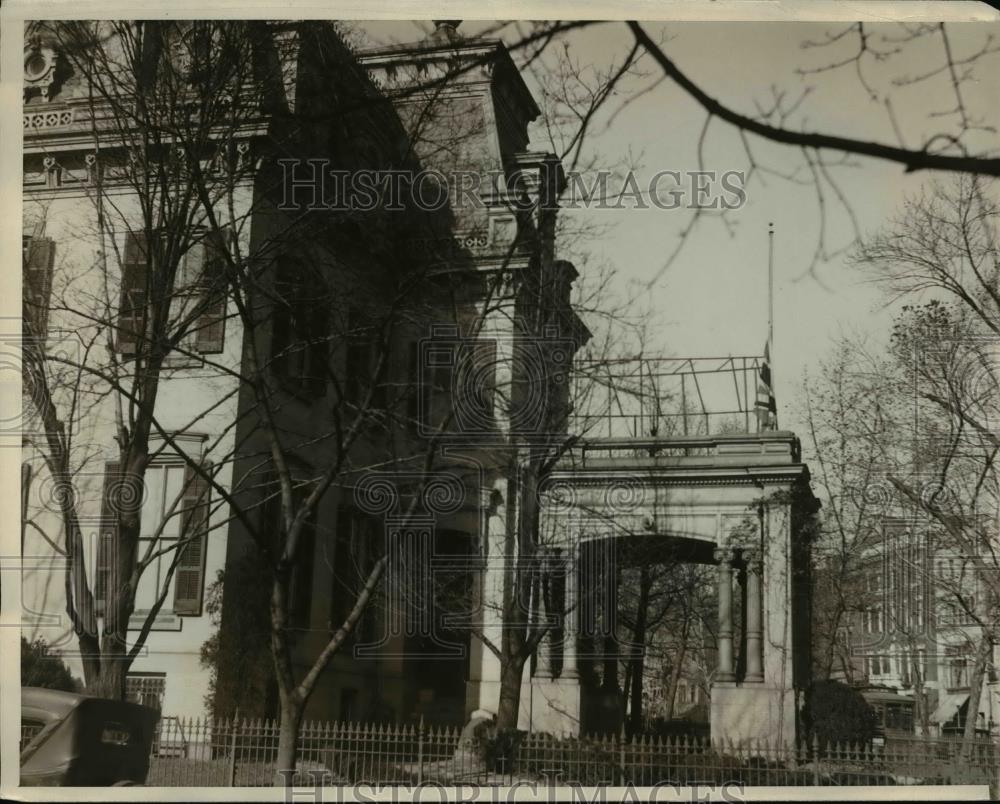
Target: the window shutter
(211, 325)
(354, 369)
(380, 397)
(341, 560)
(152, 49)
(484, 378)
(319, 349)
(132, 309)
(300, 592)
(281, 324)
(106, 535)
(414, 387)
(38, 256)
(190, 572)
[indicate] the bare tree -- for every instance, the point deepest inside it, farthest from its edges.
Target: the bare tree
(906, 444)
(959, 136)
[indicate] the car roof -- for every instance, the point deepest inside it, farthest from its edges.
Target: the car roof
(55, 703)
(884, 696)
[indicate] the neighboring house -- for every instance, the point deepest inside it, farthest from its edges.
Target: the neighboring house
(910, 635)
(495, 281)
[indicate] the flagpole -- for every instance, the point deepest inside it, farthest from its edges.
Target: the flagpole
(770, 306)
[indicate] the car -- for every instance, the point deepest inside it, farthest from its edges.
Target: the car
(74, 740)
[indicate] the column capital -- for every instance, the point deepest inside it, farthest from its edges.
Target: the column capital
(723, 554)
(754, 557)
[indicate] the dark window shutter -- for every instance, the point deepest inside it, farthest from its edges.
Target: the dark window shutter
(356, 549)
(319, 348)
(190, 572)
(341, 560)
(355, 370)
(106, 535)
(270, 514)
(411, 381)
(301, 329)
(281, 326)
(132, 309)
(211, 325)
(39, 255)
(440, 394)
(483, 380)
(300, 592)
(380, 396)
(149, 56)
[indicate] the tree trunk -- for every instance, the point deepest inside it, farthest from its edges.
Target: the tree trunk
(288, 741)
(920, 700)
(675, 671)
(110, 682)
(511, 673)
(975, 694)
(635, 707)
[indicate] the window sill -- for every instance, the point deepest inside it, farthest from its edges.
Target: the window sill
(296, 389)
(164, 621)
(171, 362)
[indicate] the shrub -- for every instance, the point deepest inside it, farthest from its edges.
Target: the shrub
(837, 714)
(39, 668)
(496, 748)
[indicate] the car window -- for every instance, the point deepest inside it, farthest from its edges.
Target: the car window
(29, 728)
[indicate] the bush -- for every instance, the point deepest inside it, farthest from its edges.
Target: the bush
(837, 714)
(41, 669)
(496, 748)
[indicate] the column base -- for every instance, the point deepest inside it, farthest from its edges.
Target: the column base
(555, 705)
(753, 712)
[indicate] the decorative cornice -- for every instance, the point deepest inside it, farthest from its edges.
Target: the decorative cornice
(682, 476)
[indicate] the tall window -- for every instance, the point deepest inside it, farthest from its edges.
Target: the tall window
(300, 336)
(958, 672)
(301, 583)
(174, 513)
(362, 372)
(197, 308)
(37, 255)
(356, 546)
(453, 377)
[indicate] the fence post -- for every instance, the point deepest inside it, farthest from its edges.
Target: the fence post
(420, 751)
(232, 752)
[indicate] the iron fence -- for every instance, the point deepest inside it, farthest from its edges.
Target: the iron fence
(244, 753)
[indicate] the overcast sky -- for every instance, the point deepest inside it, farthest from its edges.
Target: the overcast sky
(712, 300)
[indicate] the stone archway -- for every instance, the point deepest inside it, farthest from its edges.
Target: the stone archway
(733, 501)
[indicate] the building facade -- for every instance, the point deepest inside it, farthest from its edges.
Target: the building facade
(915, 634)
(481, 273)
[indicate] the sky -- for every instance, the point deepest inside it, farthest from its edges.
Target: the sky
(712, 300)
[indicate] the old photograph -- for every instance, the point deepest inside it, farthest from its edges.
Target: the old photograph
(531, 408)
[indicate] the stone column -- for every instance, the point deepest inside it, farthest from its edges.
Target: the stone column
(571, 608)
(609, 614)
(755, 620)
(724, 672)
(543, 614)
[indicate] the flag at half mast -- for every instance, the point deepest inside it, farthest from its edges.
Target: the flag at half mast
(767, 409)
